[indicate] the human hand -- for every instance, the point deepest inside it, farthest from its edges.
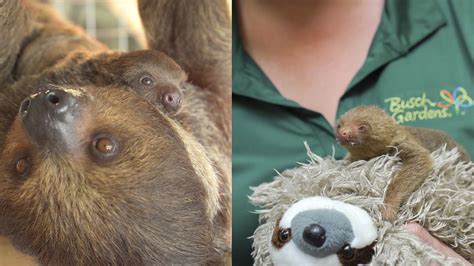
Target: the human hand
(421, 232)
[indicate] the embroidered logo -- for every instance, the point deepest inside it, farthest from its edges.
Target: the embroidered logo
(450, 103)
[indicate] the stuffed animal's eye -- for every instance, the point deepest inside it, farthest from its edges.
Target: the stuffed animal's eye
(146, 80)
(362, 128)
(22, 166)
(347, 252)
(284, 235)
(338, 126)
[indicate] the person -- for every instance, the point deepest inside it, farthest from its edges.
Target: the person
(299, 65)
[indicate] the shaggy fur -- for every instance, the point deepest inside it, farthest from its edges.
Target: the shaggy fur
(166, 79)
(15, 30)
(212, 59)
(444, 204)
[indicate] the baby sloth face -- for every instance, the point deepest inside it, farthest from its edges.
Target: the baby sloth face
(352, 133)
(320, 231)
(161, 83)
(365, 126)
(99, 176)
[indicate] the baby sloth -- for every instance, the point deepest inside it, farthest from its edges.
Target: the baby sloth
(139, 70)
(367, 132)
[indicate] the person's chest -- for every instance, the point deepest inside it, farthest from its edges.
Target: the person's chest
(313, 64)
(430, 86)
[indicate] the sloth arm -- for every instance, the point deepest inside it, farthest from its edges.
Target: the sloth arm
(13, 30)
(196, 34)
(416, 166)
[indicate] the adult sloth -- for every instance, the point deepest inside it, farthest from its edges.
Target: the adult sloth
(93, 169)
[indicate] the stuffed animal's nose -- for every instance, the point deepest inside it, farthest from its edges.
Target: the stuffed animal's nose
(314, 235)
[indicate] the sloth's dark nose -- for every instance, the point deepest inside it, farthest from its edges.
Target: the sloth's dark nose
(314, 235)
(55, 102)
(50, 115)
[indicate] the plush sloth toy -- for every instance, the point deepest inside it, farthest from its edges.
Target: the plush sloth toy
(329, 212)
(321, 231)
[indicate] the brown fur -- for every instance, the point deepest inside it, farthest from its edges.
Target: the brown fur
(203, 49)
(204, 21)
(15, 29)
(50, 39)
(165, 199)
(373, 133)
(276, 241)
(361, 256)
(129, 68)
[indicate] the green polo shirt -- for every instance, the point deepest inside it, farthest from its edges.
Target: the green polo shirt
(420, 69)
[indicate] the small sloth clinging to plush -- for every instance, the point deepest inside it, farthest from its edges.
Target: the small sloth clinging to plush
(367, 132)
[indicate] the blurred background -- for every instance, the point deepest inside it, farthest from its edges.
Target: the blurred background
(113, 22)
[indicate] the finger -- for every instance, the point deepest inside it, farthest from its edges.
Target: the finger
(425, 236)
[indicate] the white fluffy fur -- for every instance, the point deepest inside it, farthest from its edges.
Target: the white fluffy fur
(444, 204)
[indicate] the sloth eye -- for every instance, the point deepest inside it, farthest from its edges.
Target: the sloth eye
(347, 252)
(146, 80)
(284, 235)
(22, 166)
(104, 147)
(338, 126)
(362, 128)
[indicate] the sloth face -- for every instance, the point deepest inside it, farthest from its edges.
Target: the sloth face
(320, 231)
(99, 176)
(151, 74)
(365, 126)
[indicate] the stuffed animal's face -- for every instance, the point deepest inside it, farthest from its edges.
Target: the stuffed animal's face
(321, 231)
